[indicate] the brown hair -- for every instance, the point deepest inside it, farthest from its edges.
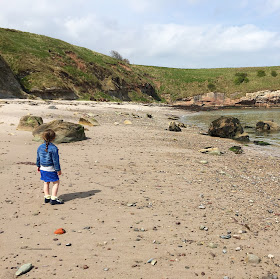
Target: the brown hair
(48, 136)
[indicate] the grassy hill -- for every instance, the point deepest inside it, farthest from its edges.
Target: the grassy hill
(51, 68)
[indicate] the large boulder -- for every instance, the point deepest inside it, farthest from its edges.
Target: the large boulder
(226, 127)
(65, 131)
(29, 123)
(267, 126)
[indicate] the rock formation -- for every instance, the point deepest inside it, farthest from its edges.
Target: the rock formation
(9, 86)
(65, 131)
(29, 123)
(227, 127)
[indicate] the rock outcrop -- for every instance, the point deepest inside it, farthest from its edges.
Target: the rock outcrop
(227, 127)
(267, 126)
(65, 131)
(29, 123)
(264, 98)
(9, 86)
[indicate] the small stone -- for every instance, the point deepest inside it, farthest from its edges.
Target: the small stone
(226, 277)
(106, 269)
(224, 251)
(24, 269)
(270, 256)
(85, 266)
(201, 227)
(201, 206)
(150, 260)
(206, 229)
(68, 244)
(251, 258)
(212, 245)
(237, 249)
(153, 262)
(127, 122)
(204, 162)
(60, 231)
(236, 236)
(228, 236)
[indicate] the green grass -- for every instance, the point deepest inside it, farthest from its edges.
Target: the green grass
(41, 62)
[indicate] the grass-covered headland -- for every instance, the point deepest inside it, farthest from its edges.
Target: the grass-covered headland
(51, 68)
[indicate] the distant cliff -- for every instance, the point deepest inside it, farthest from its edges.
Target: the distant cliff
(52, 69)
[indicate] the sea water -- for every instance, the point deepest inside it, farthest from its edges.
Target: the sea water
(248, 118)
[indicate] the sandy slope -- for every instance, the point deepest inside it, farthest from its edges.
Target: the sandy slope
(155, 170)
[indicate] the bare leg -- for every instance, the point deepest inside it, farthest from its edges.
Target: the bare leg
(55, 188)
(47, 188)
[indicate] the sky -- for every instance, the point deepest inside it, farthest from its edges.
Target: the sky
(166, 33)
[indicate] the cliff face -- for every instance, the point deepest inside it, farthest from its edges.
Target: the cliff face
(9, 86)
(52, 69)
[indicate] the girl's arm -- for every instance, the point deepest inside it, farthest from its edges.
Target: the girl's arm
(55, 158)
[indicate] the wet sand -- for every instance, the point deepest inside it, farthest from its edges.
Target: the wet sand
(133, 192)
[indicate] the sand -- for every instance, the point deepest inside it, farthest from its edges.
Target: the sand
(132, 193)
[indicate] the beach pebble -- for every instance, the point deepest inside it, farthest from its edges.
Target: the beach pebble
(68, 244)
(127, 122)
(236, 236)
(204, 162)
(106, 269)
(237, 249)
(270, 256)
(228, 236)
(251, 258)
(212, 245)
(153, 262)
(24, 269)
(201, 206)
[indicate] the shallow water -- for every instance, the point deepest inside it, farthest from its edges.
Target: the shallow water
(247, 117)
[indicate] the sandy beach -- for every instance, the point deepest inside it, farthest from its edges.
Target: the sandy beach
(133, 193)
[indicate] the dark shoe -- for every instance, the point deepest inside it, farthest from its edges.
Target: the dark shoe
(47, 200)
(57, 201)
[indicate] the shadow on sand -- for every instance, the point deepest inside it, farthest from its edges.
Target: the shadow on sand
(78, 195)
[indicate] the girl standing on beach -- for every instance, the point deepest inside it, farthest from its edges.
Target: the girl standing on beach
(49, 167)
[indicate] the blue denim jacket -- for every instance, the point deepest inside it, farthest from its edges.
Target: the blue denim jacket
(50, 158)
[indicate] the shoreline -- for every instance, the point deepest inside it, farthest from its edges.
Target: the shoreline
(132, 193)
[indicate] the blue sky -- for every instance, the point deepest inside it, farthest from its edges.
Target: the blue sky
(169, 33)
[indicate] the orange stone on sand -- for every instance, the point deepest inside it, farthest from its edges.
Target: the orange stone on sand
(60, 231)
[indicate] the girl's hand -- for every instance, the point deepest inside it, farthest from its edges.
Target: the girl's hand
(38, 169)
(59, 172)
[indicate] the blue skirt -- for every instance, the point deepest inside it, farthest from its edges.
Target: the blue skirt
(49, 176)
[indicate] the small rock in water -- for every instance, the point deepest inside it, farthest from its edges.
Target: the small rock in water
(24, 269)
(251, 258)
